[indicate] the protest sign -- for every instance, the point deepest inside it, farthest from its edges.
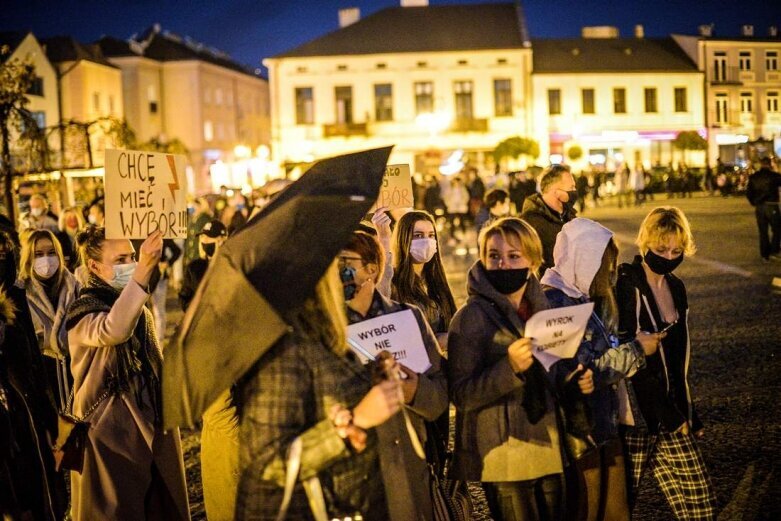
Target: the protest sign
(398, 333)
(557, 332)
(144, 193)
(396, 190)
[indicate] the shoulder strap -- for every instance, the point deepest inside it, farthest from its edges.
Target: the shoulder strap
(314, 490)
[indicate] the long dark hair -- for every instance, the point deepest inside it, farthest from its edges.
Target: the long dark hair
(406, 284)
(601, 290)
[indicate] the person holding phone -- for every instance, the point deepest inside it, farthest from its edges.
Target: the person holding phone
(661, 426)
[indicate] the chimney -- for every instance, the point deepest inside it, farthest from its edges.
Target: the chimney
(414, 3)
(600, 31)
(772, 31)
(747, 30)
(706, 30)
(349, 16)
(639, 31)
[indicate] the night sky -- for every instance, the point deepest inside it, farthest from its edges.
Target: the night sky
(252, 30)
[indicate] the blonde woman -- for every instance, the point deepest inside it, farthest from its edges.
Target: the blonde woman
(661, 425)
(71, 222)
(50, 288)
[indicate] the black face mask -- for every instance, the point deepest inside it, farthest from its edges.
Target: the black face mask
(209, 248)
(347, 274)
(508, 282)
(573, 198)
(660, 265)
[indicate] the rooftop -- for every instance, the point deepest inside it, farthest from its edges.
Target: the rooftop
(424, 29)
(609, 55)
(65, 48)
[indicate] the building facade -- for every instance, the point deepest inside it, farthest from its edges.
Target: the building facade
(621, 101)
(427, 79)
(742, 92)
(175, 88)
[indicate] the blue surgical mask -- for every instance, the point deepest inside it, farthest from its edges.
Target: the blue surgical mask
(122, 274)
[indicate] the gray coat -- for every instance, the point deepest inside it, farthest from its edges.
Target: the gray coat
(494, 439)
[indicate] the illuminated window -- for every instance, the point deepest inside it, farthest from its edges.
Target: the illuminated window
(771, 61)
(650, 100)
(305, 114)
(503, 98)
(587, 101)
(383, 102)
(772, 101)
(744, 60)
(344, 104)
(619, 101)
(746, 102)
(463, 93)
(424, 97)
(554, 102)
(721, 108)
(208, 131)
(681, 101)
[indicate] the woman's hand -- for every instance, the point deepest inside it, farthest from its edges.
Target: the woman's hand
(650, 341)
(379, 404)
(149, 256)
(409, 384)
(382, 222)
(520, 354)
(442, 341)
(585, 379)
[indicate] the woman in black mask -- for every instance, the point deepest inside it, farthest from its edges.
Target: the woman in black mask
(660, 424)
(507, 434)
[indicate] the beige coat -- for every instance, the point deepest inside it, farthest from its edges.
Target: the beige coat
(123, 441)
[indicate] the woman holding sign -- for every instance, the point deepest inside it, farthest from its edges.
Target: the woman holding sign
(406, 475)
(661, 425)
(507, 433)
(585, 263)
(132, 469)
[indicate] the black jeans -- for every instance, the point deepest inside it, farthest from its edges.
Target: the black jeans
(540, 499)
(768, 220)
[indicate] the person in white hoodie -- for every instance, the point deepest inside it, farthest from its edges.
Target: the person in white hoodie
(585, 257)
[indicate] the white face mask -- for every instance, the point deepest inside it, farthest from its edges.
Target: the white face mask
(36, 212)
(45, 267)
(122, 274)
(422, 250)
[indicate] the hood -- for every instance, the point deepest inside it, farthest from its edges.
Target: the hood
(479, 285)
(577, 256)
(536, 204)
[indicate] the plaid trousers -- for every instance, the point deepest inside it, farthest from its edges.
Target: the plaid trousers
(676, 463)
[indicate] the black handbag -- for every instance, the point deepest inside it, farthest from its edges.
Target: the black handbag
(449, 497)
(72, 436)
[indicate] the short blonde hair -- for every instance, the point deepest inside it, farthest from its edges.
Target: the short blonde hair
(75, 211)
(664, 222)
(531, 247)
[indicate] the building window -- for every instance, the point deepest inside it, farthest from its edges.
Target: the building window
(422, 64)
(424, 97)
(771, 60)
(153, 107)
(463, 93)
(501, 61)
(650, 100)
(721, 108)
(746, 102)
(341, 67)
(36, 87)
(587, 101)
(344, 104)
(744, 60)
(208, 131)
(720, 66)
(382, 65)
(619, 101)
(218, 96)
(681, 102)
(111, 104)
(305, 114)
(503, 98)
(151, 96)
(462, 62)
(554, 102)
(40, 118)
(772, 101)
(383, 102)
(96, 101)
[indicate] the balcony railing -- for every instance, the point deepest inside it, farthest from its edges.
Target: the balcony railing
(470, 125)
(733, 119)
(725, 76)
(345, 130)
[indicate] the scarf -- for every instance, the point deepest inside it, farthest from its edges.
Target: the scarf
(138, 357)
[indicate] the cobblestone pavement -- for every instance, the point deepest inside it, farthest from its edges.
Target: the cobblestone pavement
(736, 361)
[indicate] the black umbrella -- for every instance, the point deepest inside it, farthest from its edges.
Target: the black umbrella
(262, 273)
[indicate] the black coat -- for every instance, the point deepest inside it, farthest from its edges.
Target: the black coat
(763, 187)
(660, 394)
(547, 223)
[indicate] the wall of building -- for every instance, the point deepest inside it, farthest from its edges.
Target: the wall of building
(30, 49)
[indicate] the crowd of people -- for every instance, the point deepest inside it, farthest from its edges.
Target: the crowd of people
(82, 332)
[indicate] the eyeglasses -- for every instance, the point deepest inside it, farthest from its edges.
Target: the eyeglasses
(345, 261)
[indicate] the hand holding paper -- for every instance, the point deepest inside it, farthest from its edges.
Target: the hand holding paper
(557, 332)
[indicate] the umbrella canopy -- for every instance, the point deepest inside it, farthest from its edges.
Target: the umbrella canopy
(260, 274)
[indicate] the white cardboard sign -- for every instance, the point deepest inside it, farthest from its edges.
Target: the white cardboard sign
(397, 333)
(396, 191)
(145, 191)
(557, 332)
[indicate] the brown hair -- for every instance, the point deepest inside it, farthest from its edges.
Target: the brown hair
(90, 244)
(28, 254)
(601, 290)
(369, 249)
(531, 247)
